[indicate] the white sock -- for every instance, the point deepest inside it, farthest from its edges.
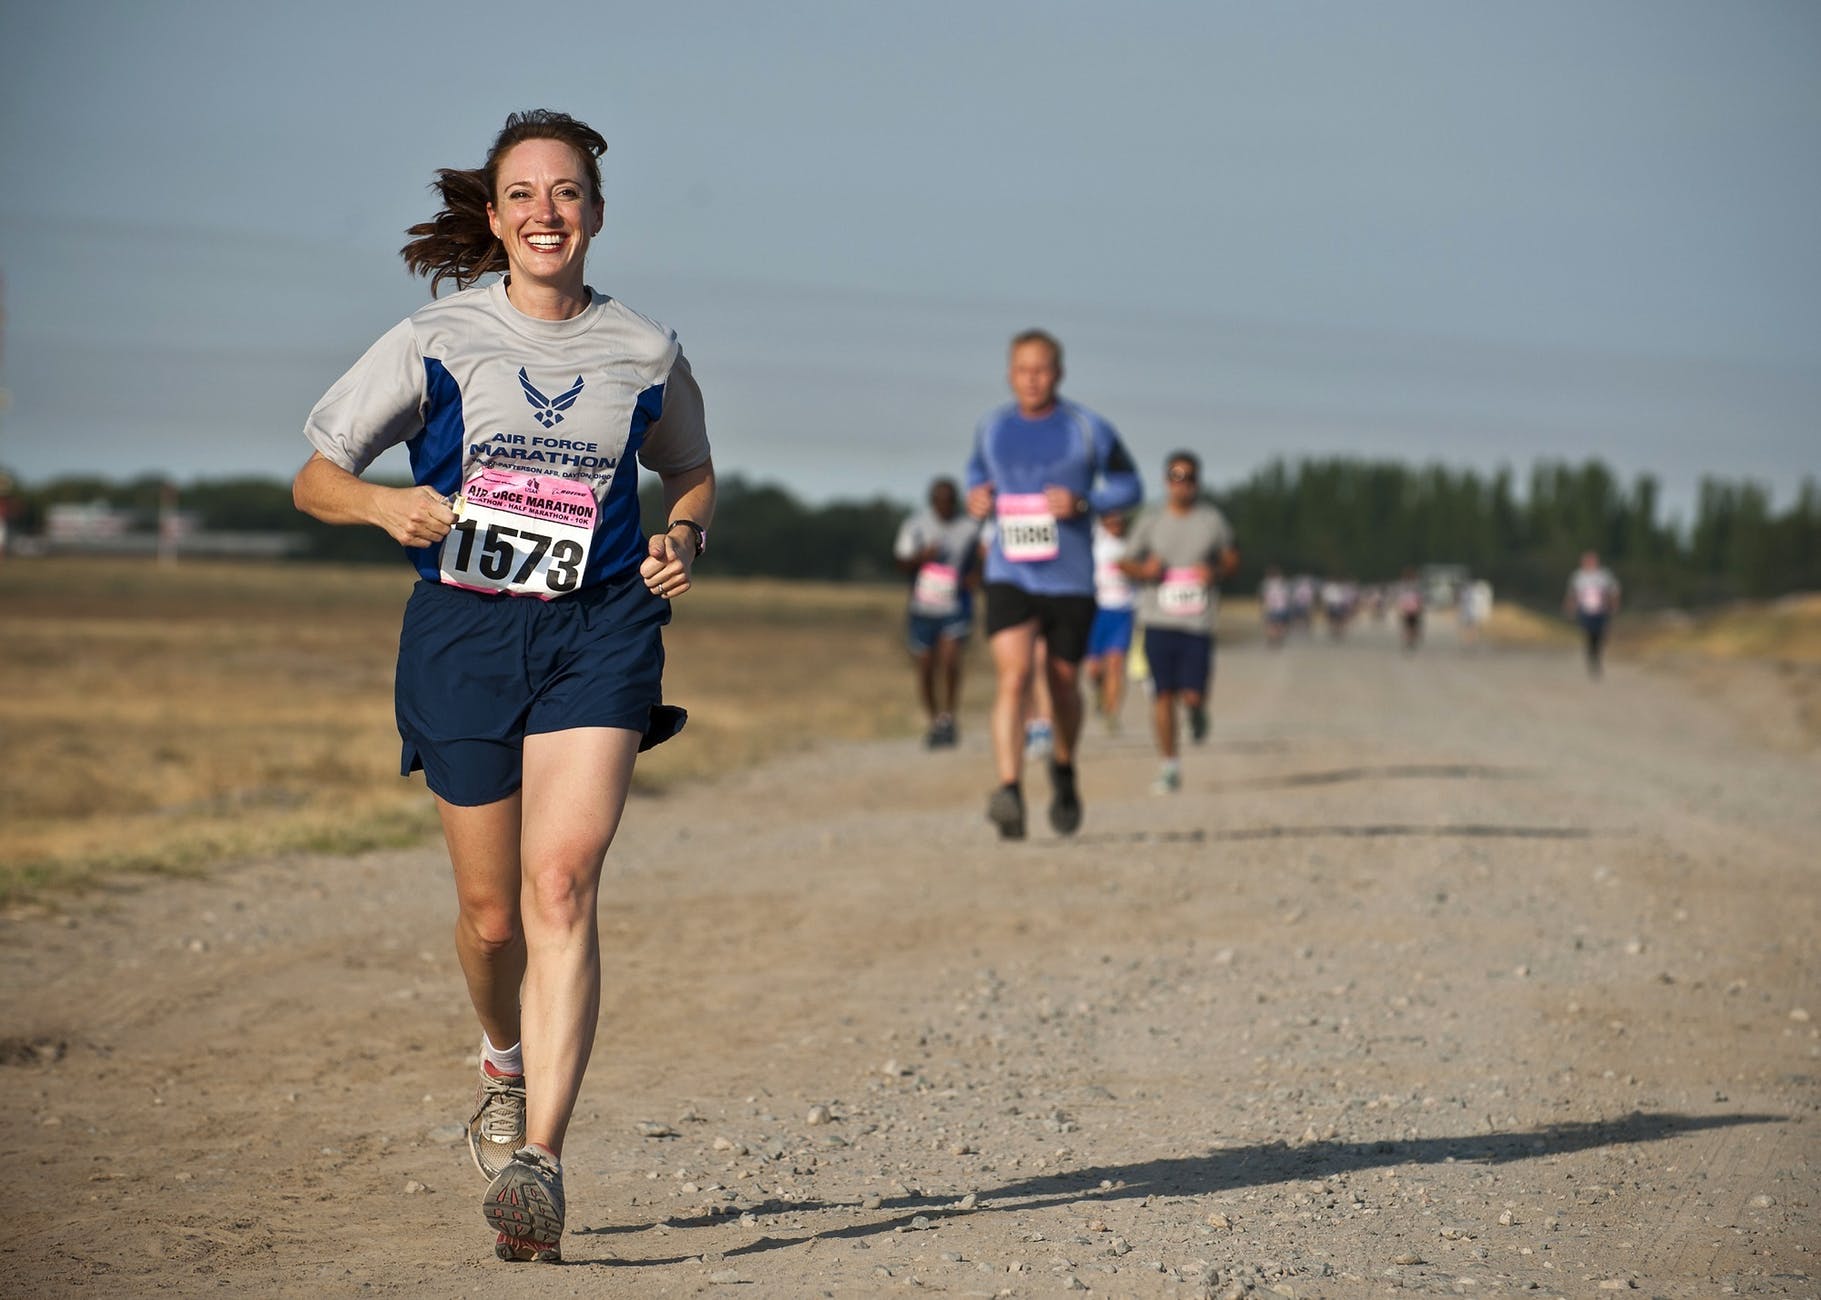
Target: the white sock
(510, 1060)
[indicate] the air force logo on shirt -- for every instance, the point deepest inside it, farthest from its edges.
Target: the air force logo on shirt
(548, 411)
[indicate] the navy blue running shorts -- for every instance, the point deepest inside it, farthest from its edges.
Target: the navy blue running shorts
(922, 631)
(1180, 661)
(479, 671)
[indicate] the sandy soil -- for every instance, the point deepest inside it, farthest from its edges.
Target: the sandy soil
(1446, 974)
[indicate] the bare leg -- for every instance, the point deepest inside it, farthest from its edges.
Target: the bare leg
(1040, 681)
(1163, 718)
(575, 789)
(1012, 669)
(1065, 706)
(1112, 684)
(926, 681)
(948, 673)
(489, 940)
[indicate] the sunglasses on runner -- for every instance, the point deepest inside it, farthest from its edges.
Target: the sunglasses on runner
(1182, 476)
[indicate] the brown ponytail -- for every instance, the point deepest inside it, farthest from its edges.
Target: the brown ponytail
(458, 244)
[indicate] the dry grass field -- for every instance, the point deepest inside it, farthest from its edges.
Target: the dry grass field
(161, 719)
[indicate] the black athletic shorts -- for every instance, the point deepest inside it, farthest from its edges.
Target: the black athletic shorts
(1064, 621)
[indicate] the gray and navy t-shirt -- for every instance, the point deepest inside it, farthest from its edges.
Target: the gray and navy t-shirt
(1182, 598)
(472, 386)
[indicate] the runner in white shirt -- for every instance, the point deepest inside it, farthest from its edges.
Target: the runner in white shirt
(1115, 613)
(531, 657)
(939, 549)
(1475, 609)
(1592, 598)
(1275, 604)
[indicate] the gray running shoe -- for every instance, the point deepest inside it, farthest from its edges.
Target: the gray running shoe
(941, 733)
(524, 1204)
(497, 1127)
(1006, 811)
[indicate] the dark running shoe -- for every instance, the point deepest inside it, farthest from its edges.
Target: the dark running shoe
(1198, 723)
(1065, 802)
(1006, 811)
(524, 1204)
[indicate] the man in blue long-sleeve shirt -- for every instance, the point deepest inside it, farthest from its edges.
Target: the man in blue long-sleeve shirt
(1042, 468)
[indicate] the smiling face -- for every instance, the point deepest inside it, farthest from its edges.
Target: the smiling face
(544, 213)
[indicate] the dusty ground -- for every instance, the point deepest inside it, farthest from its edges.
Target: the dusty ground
(1452, 974)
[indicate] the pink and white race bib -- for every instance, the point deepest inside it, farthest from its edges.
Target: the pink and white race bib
(1182, 594)
(938, 590)
(1027, 529)
(523, 534)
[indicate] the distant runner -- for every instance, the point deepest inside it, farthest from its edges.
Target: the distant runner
(939, 548)
(1180, 552)
(1115, 601)
(1339, 600)
(1407, 596)
(1274, 603)
(1592, 598)
(1041, 466)
(1475, 609)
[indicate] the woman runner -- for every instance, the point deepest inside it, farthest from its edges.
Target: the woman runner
(531, 656)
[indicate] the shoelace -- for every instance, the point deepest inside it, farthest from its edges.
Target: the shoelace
(501, 1112)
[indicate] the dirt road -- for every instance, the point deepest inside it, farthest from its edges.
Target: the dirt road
(1449, 974)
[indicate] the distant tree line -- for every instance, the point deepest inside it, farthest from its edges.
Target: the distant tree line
(1339, 516)
(1371, 519)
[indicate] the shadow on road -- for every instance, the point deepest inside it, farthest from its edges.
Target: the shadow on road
(1384, 772)
(1217, 1171)
(1382, 830)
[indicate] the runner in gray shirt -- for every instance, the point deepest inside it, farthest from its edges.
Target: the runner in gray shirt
(1180, 553)
(939, 549)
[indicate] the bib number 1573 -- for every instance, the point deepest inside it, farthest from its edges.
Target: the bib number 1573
(522, 534)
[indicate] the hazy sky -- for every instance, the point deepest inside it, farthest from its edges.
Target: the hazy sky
(1474, 232)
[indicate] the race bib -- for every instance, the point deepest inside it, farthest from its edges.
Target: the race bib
(937, 591)
(1027, 529)
(523, 534)
(1182, 594)
(1592, 599)
(1112, 589)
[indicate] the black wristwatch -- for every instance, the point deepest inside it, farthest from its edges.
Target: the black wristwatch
(701, 533)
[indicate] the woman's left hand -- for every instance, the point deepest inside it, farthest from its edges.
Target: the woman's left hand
(666, 567)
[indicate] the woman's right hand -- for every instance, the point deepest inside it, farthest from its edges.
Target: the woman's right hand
(413, 516)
